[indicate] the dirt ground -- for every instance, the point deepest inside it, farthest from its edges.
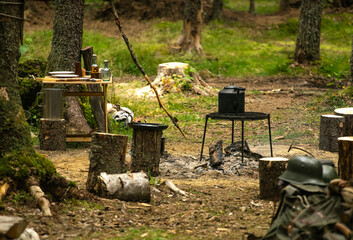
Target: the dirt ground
(218, 205)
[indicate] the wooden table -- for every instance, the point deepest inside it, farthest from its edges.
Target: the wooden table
(49, 80)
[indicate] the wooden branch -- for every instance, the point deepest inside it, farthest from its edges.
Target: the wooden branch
(174, 188)
(133, 56)
(12, 227)
(38, 194)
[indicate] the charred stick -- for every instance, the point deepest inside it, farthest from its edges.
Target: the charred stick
(134, 58)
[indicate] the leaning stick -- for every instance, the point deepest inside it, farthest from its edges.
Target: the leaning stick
(39, 195)
(133, 56)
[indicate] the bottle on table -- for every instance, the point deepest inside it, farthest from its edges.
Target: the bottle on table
(106, 71)
(94, 67)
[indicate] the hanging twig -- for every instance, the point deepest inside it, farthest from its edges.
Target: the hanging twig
(117, 21)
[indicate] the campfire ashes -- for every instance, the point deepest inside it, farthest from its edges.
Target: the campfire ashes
(191, 167)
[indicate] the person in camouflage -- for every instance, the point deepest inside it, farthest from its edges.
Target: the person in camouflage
(300, 214)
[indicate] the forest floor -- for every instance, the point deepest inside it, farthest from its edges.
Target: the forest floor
(218, 205)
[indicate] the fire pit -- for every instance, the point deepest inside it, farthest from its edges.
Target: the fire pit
(234, 97)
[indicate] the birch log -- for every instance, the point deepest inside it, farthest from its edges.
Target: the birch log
(331, 128)
(345, 157)
(127, 187)
(269, 171)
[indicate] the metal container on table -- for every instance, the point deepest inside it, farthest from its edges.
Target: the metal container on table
(52, 103)
(231, 100)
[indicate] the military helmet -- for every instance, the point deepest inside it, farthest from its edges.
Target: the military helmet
(328, 173)
(303, 170)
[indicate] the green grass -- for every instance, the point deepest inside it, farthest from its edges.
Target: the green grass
(231, 48)
(261, 6)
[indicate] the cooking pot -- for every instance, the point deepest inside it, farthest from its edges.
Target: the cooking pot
(231, 99)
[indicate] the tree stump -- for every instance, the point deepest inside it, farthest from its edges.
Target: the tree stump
(107, 154)
(331, 128)
(171, 78)
(269, 171)
(52, 134)
(345, 157)
(347, 113)
(133, 187)
(146, 147)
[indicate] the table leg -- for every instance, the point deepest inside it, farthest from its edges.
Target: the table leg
(269, 133)
(105, 107)
(242, 141)
(232, 131)
(203, 139)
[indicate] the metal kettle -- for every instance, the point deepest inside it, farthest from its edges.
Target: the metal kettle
(231, 99)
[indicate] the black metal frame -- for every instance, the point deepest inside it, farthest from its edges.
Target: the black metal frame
(246, 116)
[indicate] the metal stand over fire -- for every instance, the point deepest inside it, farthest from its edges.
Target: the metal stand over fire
(246, 116)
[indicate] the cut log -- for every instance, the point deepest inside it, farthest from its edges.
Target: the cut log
(107, 154)
(347, 113)
(52, 134)
(269, 171)
(127, 187)
(345, 158)
(216, 154)
(12, 227)
(331, 128)
(146, 147)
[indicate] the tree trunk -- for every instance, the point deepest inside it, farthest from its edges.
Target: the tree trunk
(14, 130)
(284, 6)
(351, 63)
(345, 158)
(217, 9)
(252, 6)
(308, 40)
(66, 51)
(191, 34)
